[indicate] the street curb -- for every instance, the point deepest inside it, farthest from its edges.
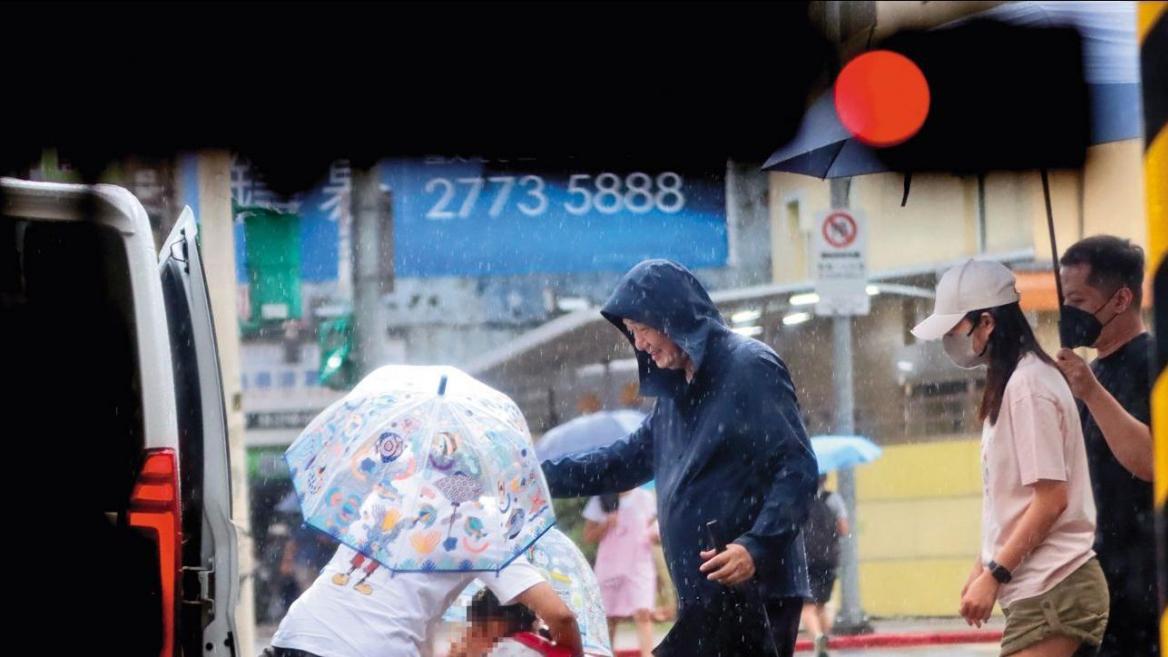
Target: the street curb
(885, 640)
(905, 639)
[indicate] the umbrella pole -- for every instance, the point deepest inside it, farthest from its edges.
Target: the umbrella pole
(1054, 255)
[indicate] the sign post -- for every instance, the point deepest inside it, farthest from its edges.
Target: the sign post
(841, 272)
(841, 281)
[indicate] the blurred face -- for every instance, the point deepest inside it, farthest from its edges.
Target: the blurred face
(664, 352)
(967, 343)
(979, 335)
(484, 635)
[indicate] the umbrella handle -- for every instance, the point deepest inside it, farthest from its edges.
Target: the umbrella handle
(718, 545)
(714, 542)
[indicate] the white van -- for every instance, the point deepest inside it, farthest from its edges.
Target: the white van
(123, 435)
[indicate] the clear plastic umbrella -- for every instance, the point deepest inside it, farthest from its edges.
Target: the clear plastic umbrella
(423, 469)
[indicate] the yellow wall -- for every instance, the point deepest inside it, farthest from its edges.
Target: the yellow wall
(937, 224)
(794, 199)
(1011, 206)
(1114, 191)
(918, 522)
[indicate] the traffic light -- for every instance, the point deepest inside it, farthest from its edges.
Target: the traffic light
(338, 369)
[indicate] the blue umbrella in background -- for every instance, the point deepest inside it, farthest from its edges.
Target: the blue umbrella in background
(589, 432)
(841, 452)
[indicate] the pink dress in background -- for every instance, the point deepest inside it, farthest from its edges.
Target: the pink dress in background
(624, 561)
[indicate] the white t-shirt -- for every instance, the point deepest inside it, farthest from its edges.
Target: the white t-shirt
(359, 609)
(1037, 437)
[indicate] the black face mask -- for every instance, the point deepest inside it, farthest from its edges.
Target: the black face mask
(1079, 328)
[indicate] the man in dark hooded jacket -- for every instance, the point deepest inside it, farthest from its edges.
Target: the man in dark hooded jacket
(724, 442)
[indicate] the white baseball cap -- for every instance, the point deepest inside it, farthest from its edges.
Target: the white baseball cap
(974, 285)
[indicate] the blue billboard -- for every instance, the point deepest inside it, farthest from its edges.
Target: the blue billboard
(472, 217)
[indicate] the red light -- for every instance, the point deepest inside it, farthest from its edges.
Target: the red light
(882, 98)
(155, 509)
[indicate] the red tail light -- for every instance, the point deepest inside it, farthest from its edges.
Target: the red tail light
(155, 509)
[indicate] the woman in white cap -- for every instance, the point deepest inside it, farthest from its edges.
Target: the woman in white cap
(1038, 514)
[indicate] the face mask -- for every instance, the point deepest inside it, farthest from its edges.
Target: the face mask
(959, 348)
(1079, 328)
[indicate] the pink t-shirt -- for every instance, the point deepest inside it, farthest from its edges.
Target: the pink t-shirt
(627, 550)
(624, 566)
(1037, 436)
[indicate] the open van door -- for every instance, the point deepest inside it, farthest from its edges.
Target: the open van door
(210, 570)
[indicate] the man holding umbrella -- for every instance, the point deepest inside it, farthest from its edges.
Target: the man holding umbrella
(1102, 277)
(724, 443)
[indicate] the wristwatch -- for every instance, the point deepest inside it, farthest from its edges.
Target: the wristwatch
(1000, 572)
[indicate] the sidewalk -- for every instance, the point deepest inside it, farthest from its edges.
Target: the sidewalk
(904, 632)
(888, 633)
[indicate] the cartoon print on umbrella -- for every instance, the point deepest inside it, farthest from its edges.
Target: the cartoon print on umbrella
(504, 499)
(387, 491)
(427, 516)
(353, 424)
(377, 521)
(515, 523)
(443, 454)
(475, 530)
(531, 481)
(458, 488)
(315, 476)
(349, 509)
(390, 446)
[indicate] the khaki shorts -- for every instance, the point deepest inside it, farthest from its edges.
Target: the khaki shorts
(1076, 607)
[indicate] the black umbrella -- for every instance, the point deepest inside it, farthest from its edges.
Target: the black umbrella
(1029, 90)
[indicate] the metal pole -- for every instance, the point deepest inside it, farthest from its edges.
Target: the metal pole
(369, 324)
(851, 618)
